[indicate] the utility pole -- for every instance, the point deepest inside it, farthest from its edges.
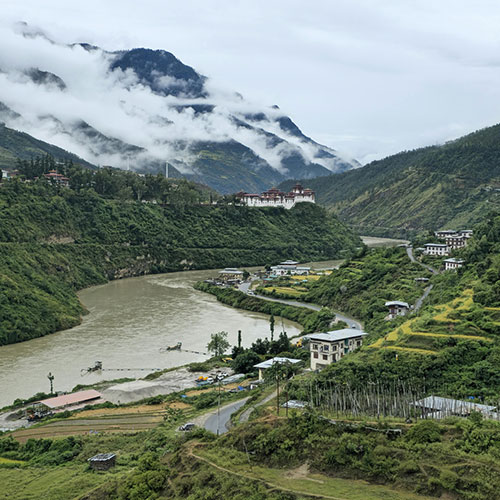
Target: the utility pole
(218, 404)
(51, 380)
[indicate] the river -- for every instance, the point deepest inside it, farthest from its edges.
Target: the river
(128, 322)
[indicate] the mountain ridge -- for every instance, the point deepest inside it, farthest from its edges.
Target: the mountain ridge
(143, 107)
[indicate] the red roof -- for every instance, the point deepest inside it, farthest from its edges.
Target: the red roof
(71, 399)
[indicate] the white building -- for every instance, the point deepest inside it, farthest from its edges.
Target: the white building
(327, 348)
(276, 198)
(264, 365)
(397, 308)
(289, 267)
(452, 264)
(436, 249)
(456, 242)
(231, 273)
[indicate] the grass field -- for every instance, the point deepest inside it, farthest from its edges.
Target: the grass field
(300, 481)
(54, 483)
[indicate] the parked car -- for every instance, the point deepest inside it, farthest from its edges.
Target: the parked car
(187, 427)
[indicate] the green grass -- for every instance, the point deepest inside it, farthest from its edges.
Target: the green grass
(304, 483)
(60, 483)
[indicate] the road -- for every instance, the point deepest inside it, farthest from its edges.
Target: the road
(409, 251)
(246, 414)
(212, 422)
(353, 323)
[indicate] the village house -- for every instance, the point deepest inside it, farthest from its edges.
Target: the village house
(231, 274)
(276, 198)
(264, 365)
(452, 264)
(289, 267)
(445, 233)
(327, 348)
(397, 308)
(73, 401)
(456, 242)
(57, 178)
(439, 249)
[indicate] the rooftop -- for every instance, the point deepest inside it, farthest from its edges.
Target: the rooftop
(270, 362)
(453, 405)
(397, 303)
(454, 261)
(435, 245)
(101, 457)
(335, 335)
(71, 399)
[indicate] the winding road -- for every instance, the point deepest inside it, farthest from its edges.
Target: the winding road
(219, 423)
(353, 323)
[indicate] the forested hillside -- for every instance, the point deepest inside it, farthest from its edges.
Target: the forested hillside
(54, 241)
(15, 145)
(453, 185)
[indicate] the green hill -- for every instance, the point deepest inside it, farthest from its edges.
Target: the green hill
(448, 186)
(55, 241)
(15, 144)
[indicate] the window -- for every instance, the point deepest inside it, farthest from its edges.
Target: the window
(326, 347)
(315, 347)
(325, 357)
(334, 347)
(315, 355)
(358, 343)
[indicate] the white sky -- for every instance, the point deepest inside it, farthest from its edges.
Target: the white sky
(368, 78)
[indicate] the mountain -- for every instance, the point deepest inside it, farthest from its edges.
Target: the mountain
(54, 241)
(449, 186)
(142, 108)
(15, 144)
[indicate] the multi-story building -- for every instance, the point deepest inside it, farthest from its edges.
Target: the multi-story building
(289, 267)
(436, 249)
(452, 264)
(397, 308)
(327, 348)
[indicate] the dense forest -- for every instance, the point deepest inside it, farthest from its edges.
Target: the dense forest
(448, 186)
(56, 240)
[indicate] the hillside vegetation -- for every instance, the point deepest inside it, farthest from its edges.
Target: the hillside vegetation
(448, 186)
(15, 145)
(55, 241)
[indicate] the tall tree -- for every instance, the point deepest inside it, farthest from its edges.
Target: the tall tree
(218, 343)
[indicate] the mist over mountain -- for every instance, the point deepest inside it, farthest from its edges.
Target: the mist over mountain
(141, 108)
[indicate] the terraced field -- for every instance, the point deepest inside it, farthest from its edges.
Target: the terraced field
(407, 337)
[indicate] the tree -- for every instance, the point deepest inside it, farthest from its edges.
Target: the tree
(271, 326)
(244, 362)
(218, 343)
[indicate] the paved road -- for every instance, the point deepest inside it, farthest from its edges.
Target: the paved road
(224, 418)
(409, 251)
(419, 302)
(353, 323)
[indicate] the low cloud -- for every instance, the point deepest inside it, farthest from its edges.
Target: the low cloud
(116, 104)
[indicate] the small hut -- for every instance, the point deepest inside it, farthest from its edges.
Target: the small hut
(102, 461)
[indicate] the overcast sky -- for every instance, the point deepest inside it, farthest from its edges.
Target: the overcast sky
(368, 78)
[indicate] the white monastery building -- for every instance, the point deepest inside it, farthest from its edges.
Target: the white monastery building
(327, 348)
(276, 198)
(436, 249)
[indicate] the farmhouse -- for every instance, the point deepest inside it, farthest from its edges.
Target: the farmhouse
(456, 242)
(276, 198)
(57, 178)
(397, 308)
(327, 348)
(436, 249)
(452, 264)
(264, 365)
(231, 273)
